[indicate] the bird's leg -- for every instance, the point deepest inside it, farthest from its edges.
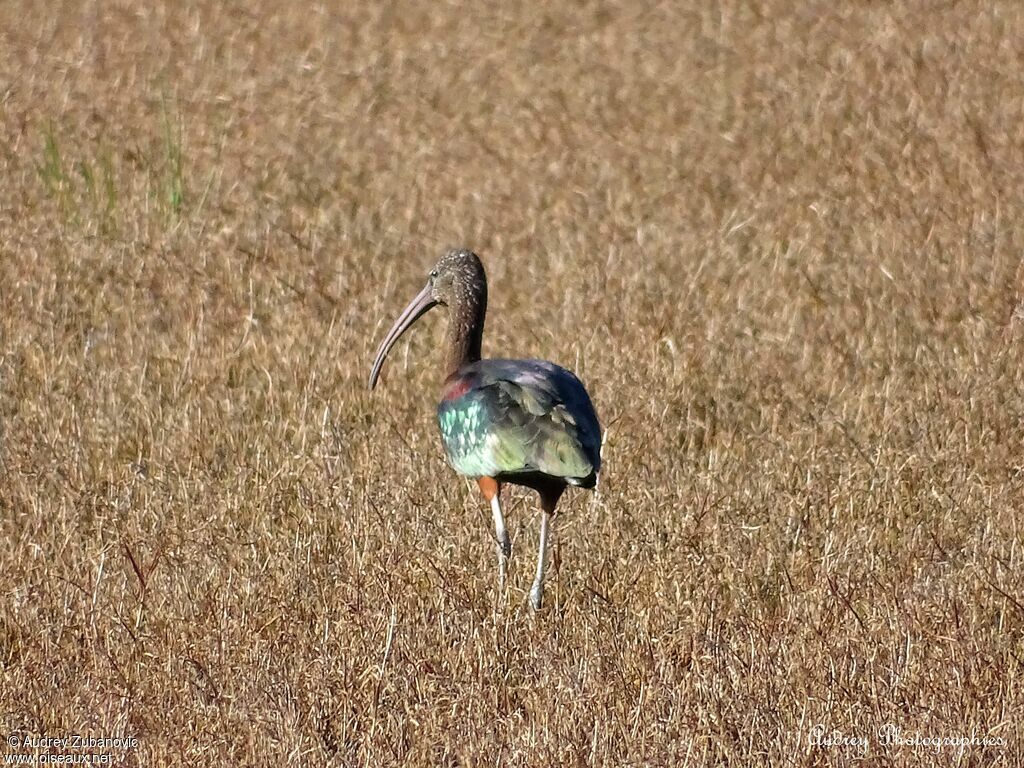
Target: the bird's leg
(492, 492)
(504, 545)
(537, 591)
(548, 500)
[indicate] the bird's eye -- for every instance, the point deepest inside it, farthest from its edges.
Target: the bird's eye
(433, 274)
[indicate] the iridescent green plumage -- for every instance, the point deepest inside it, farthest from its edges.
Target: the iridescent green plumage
(510, 419)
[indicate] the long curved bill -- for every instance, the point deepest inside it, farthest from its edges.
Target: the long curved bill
(424, 300)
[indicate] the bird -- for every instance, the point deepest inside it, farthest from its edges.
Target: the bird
(529, 423)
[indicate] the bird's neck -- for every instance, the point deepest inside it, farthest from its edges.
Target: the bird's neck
(465, 331)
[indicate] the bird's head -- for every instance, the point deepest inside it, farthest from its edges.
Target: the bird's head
(458, 279)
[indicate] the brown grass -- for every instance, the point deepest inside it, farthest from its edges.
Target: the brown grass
(781, 242)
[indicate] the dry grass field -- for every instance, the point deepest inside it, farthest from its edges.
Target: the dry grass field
(781, 243)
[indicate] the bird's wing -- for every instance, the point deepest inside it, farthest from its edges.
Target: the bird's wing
(519, 417)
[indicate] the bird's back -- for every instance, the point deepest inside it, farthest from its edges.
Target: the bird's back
(520, 418)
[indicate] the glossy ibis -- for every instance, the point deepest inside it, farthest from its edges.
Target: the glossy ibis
(523, 422)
